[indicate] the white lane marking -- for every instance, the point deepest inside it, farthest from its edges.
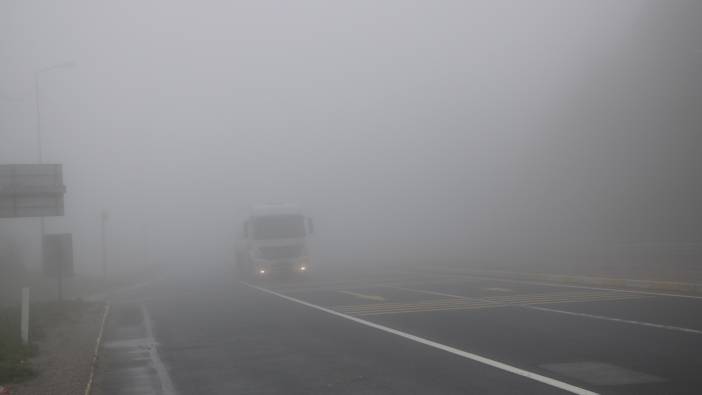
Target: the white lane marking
(167, 386)
(477, 358)
(96, 352)
(516, 300)
(601, 317)
(497, 289)
(363, 296)
(474, 277)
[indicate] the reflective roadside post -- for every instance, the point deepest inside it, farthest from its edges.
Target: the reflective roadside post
(24, 319)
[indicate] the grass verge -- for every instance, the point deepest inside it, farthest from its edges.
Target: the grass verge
(14, 356)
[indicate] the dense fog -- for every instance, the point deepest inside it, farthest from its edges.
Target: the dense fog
(478, 132)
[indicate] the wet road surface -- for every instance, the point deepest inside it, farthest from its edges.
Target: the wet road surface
(206, 332)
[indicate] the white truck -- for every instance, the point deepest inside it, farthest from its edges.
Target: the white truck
(274, 242)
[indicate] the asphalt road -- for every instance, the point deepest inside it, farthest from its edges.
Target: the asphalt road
(205, 332)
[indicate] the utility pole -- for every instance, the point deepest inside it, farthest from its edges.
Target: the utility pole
(104, 216)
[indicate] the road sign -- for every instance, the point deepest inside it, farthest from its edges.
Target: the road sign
(58, 255)
(31, 190)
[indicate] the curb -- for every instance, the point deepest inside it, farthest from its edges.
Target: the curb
(98, 342)
(651, 285)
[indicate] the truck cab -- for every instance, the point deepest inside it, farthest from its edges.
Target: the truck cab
(274, 242)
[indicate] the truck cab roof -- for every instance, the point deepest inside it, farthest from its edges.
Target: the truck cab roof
(275, 209)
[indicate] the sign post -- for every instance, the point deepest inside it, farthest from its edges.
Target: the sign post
(58, 258)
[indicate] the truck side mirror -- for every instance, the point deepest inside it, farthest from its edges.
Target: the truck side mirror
(310, 225)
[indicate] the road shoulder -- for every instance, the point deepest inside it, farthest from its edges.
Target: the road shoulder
(65, 353)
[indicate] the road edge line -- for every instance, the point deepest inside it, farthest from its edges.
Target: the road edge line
(164, 378)
(615, 319)
(474, 357)
(96, 352)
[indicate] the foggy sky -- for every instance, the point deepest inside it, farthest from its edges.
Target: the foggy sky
(407, 129)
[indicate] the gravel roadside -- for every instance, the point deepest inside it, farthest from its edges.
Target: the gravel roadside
(65, 358)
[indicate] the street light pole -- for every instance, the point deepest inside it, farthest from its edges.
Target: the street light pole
(40, 156)
(37, 102)
(103, 247)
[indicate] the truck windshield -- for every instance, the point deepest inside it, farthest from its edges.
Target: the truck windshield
(281, 252)
(278, 227)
